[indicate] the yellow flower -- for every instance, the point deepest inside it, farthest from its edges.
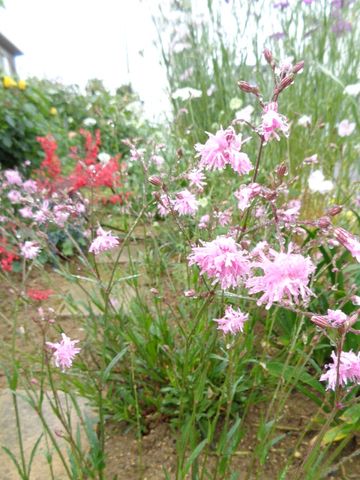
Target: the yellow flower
(53, 111)
(22, 85)
(9, 82)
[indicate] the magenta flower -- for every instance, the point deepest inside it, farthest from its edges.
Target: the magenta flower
(26, 212)
(286, 276)
(30, 186)
(246, 193)
(233, 321)
(185, 203)
(349, 370)
(30, 250)
(204, 220)
(196, 179)
(222, 259)
(13, 177)
(272, 121)
(348, 240)
(64, 352)
(14, 196)
(103, 242)
(165, 204)
(334, 319)
(223, 149)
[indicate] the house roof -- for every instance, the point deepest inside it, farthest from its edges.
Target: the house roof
(8, 46)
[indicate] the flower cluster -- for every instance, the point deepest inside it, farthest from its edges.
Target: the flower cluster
(103, 241)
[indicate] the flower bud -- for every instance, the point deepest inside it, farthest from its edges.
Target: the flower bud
(246, 87)
(179, 152)
(268, 57)
(281, 170)
(285, 82)
(298, 67)
(155, 180)
(324, 222)
(335, 210)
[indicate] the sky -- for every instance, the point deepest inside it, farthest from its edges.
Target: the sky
(74, 40)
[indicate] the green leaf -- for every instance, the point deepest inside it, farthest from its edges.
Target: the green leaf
(194, 455)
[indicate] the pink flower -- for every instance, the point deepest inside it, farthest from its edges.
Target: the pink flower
(30, 250)
(165, 204)
(224, 217)
(349, 370)
(348, 241)
(13, 177)
(61, 214)
(14, 196)
(30, 186)
(233, 321)
(286, 276)
(26, 212)
(185, 203)
(158, 160)
(334, 318)
(42, 215)
(273, 121)
(346, 128)
(222, 259)
(290, 212)
(245, 194)
(204, 220)
(196, 179)
(223, 149)
(64, 352)
(103, 242)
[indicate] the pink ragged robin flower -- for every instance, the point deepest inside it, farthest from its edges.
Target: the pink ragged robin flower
(246, 193)
(222, 260)
(333, 319)
(285, 277)
(13, 177)
(103, 242)
(204, 220)
(349, 370)
(232, 321)
(349, 241)
(30, 250)
(273, 122)
(223, 149)
(196, 178)
(185, 203)
(64, 352)
(164, 205)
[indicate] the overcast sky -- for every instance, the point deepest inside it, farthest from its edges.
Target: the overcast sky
(74, 40)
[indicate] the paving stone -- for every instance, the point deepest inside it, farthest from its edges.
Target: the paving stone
(31, 428)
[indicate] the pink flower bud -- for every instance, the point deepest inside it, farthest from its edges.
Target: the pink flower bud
(246, 87)
(298, 67)
(335, 210)
(154, 180)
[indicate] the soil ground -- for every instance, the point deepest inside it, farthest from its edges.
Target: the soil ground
(130, 459)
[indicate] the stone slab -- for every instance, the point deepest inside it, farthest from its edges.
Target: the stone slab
(31, 428)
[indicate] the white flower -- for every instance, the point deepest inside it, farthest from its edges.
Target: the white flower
(245, 113)
(317, 182)
(346, 128)
(89, 122)
(104, 157)
(353, 89)
(304, 121)
(186, 93)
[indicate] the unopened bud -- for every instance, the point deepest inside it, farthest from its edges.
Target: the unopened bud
(324, 222)
(179, 152)
(157, 196)
(298, 67)
(246, 87)
(285, 82)
(281, 170)
(154, 180)
(335, 210)
(268, 57)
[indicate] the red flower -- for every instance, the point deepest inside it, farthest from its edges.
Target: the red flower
(39, 294)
